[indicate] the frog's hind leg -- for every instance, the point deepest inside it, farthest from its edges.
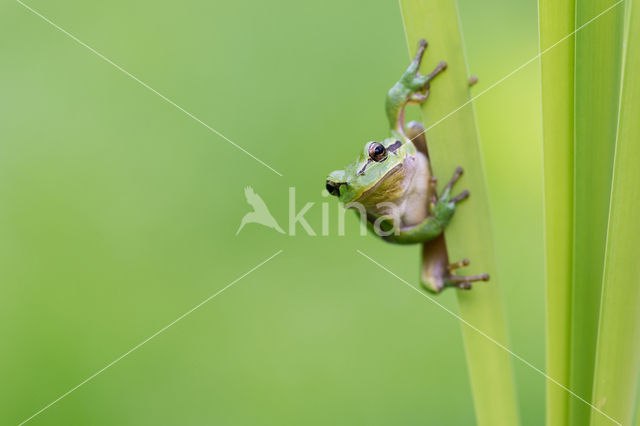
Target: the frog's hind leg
(437, 273)
(434, 273)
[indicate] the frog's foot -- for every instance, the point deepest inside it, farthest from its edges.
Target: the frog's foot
(460, 197)
(422, 47)
(411, 88)
(421, 84)
(464, 282)
(456, 176)
(446, 193)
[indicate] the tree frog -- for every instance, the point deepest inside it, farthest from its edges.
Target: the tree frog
(392, 185)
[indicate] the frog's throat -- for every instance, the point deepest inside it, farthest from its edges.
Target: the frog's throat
(391, 172)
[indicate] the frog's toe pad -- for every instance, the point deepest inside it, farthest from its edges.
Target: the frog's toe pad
(465, 285)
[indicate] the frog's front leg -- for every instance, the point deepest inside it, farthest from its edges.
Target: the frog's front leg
(411, 88)
(421, 85)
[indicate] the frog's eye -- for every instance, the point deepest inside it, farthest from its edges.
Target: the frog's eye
(377, 152)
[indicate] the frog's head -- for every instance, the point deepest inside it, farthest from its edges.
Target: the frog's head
(378, 174)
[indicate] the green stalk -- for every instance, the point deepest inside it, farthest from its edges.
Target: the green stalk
(556, 21)
(637, 410)
(618, 353)
(455, 142)
(597, 82)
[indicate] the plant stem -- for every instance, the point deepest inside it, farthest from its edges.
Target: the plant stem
(598, 53)
(556, 20)
(618, 353)
(455, 142)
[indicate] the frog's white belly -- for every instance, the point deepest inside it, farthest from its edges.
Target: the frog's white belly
(415, 207)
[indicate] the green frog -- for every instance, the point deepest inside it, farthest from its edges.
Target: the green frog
(392, 184)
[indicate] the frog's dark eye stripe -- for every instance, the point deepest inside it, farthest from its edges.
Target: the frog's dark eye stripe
(361, 172)
(394, 146)
(377, 152)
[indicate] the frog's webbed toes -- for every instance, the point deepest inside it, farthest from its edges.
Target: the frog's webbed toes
(422, 82)
(464, 282)
(442, 65)
(470, 278)
(446, 192)
(417, 82)
(422, 46)
(445, 278)
(415, 64)
(456, 176)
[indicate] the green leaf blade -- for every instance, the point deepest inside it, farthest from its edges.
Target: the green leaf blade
(618, 353)
(454, 142)
(598, 51)
(556, 21)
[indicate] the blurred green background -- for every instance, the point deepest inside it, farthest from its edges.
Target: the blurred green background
(119, 214)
